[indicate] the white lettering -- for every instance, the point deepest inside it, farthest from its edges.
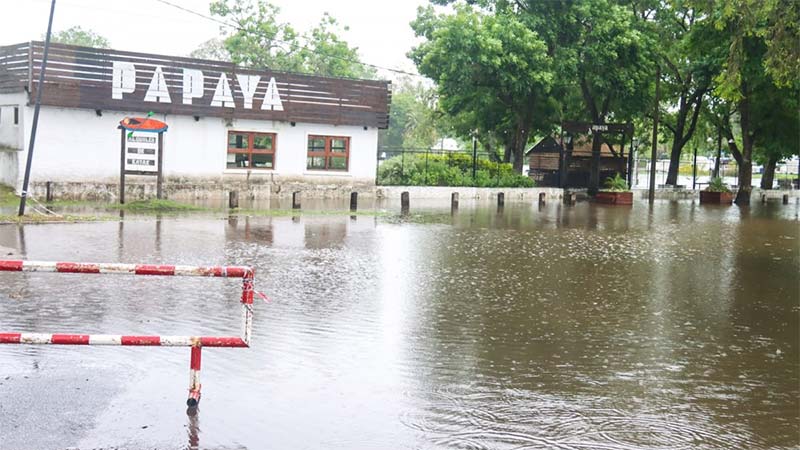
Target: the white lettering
(123, 79)
(157, 91)
(192, 85)
(222, 94)
(272, 99)
(248, 84)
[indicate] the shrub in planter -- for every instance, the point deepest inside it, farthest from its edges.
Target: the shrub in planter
(717, 193)
(616, 192)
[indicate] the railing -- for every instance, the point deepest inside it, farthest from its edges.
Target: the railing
(195, 342)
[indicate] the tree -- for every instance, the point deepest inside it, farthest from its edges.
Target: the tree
(413, 118)
(492, 71)
(611, 54)
(687, 74)
(778, 128)
(762, 51)
(213, 49)
(598, 54)
(325, 53)
(78, 36)
(260, 40)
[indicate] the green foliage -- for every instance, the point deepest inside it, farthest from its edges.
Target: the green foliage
(448, 170)
(79, 36)
(213, 49)
(35, 218)
(616, 184)
(773, 23)
(493, 72)
(155, 205)
(413, 118)
(261, 41)
(7, 195)
(717, 185)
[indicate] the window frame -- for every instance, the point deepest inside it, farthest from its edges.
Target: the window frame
(327, 153)
(250, 150)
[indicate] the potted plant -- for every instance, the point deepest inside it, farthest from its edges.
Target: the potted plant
(717, 193)
(616, 192)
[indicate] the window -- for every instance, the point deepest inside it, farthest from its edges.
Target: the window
(251, 150)
(16, 115)
(328, 153)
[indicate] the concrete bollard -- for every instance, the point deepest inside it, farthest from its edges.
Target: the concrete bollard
(49, 192)
(233, 199)
(354, 201)
(501, 199)
(454, 201)
(404, 203)
(296, 200)
(542, 197)
(785, 199)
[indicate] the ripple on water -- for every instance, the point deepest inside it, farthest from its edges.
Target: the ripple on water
(485, 416)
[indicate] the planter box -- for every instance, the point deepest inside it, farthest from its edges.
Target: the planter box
(716, 198)
(614, 198)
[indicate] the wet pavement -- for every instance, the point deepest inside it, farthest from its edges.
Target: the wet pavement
(584, 327)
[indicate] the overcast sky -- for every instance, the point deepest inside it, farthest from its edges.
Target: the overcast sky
(379, 28)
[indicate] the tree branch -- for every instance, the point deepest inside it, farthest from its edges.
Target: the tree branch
(588, 99)
(674, 69)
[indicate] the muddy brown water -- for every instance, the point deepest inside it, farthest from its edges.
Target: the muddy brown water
(582, 327)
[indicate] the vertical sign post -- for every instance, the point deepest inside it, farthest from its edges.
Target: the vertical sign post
(142, 151)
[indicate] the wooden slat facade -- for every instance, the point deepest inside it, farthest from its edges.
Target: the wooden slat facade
(81, 77)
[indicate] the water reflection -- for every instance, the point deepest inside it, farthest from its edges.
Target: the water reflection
(665, 326)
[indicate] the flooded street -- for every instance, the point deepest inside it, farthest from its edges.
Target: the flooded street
(582, 327)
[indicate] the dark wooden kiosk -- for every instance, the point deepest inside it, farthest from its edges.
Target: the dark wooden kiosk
(583, 156)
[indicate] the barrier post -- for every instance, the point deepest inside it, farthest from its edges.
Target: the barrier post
(194, 376)
(353, 201)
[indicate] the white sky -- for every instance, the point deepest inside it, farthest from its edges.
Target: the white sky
(379, 28)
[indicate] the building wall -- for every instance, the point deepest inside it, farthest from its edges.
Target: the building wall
(11, 134)
(11, 137)
(75, 145)
(9, 167)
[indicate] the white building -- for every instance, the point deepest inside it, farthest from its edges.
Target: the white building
(225, 123)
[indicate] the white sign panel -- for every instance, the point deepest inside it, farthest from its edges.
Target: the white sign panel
(141, 151)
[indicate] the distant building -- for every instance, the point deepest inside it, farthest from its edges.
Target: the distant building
(225, 122)
(545, 168)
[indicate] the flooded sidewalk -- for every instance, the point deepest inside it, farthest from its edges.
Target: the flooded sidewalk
(536, 327)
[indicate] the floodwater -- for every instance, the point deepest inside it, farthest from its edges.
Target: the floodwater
(585, 327)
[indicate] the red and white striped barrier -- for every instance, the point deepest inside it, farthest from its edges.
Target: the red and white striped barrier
(195, 342)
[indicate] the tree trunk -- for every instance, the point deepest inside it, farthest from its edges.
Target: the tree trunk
(677, 144)
(519, 148)
(769, 173)
(674, 162)
(745, 158)
(594, 168)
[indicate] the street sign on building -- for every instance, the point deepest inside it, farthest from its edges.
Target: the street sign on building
(141, 152)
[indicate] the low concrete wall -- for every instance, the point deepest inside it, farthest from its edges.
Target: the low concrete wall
(688, 194)
(138, 188)
(467, 193)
